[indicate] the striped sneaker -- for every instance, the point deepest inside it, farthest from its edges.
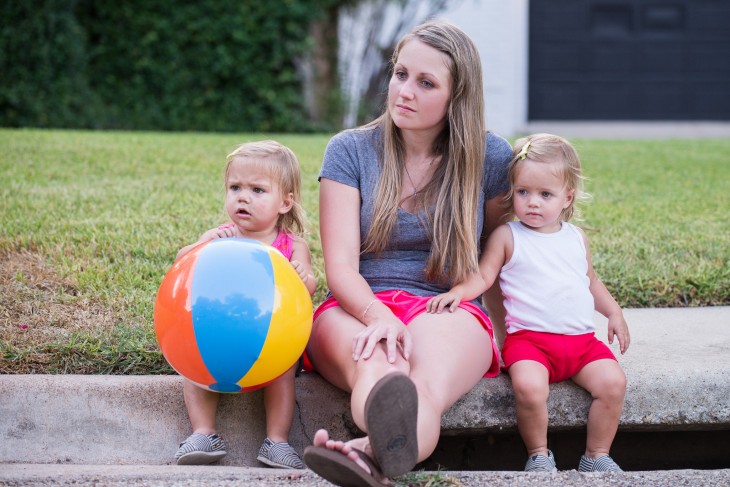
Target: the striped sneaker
(541, 463)
(600, 464)
(280, 455)
(199, 449)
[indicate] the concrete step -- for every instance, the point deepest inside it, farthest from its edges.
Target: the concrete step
(677, 366)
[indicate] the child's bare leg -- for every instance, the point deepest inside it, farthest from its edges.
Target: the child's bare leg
(202, 405)
(606, 382)
(530, 382)
(279, 400)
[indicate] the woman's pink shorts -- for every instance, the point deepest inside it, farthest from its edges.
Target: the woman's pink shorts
(407, 306)
(562, 355)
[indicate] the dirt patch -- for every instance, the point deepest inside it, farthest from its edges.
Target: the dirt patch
(38, 310)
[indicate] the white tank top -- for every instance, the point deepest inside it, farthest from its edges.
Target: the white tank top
(545, 284)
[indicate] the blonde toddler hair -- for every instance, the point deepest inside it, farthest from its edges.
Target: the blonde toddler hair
(555, 150)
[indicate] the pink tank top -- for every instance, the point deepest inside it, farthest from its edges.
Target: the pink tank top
(284, 243)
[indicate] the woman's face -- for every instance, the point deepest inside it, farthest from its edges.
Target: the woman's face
(420, 89)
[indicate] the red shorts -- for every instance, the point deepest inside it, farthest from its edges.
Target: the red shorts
(562, 355)
(407, 306)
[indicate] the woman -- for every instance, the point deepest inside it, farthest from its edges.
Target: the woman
(403, 202)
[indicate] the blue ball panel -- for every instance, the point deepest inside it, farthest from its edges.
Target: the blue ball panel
(231, 313)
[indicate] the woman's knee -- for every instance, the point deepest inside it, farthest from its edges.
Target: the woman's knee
(377, 365)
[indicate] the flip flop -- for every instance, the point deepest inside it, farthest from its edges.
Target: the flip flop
(336, 467)
(391, 416)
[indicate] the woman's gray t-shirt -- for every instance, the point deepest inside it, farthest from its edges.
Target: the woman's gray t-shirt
(351, 158)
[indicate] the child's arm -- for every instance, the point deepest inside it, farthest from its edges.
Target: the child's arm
(607, 306)
(471, 286)
(223, 231)
(495, 254)
(301, 260)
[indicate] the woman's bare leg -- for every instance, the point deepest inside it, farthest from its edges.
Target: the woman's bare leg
(451, 353)
(330, 352)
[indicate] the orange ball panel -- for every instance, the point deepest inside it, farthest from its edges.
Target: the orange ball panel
(174, 329)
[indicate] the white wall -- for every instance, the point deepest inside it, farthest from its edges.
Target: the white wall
(499, 28)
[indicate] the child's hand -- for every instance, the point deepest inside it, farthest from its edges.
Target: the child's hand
(438, 303)
(617, 327)
(224, 231)
(301, 270)
(228, 230)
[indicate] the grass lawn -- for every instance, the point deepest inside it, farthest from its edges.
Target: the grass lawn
(91, 221)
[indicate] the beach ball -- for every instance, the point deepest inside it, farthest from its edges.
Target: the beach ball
(232, 315)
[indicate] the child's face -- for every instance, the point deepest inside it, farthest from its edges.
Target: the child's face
(254, 200)
(540, 196)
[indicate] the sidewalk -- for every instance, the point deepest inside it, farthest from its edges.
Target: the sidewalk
(211, 476)
(628, 129)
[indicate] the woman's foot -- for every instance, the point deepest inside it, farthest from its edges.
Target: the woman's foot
(322, 438)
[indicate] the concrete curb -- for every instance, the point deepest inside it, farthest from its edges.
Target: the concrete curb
(677, 370)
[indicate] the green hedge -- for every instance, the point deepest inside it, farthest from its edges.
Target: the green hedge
(43, 58)
(210, 65)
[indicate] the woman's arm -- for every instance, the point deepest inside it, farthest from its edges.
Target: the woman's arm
(339, 220)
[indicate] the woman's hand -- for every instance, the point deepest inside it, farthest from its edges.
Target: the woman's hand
(392, 330)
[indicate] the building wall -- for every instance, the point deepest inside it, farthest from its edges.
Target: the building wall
(500, 30)
(600, 60)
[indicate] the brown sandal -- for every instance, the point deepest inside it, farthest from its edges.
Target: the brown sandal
(337, 468)
(391, 418)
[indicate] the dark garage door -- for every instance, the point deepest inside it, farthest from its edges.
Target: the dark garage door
(629, 60)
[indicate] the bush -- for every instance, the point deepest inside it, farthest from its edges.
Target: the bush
(163, 65)
(43, 64)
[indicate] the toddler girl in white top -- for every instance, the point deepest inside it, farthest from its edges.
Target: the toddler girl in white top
(550, 294)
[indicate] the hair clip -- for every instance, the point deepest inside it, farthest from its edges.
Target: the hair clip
(523, 152)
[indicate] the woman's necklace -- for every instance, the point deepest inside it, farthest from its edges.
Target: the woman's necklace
(410, 179)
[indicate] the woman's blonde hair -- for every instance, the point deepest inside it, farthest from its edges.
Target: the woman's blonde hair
(283, 167)
(555, 150)
(455, 185)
